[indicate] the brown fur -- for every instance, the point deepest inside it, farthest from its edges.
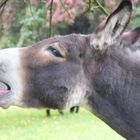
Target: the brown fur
(65, 71)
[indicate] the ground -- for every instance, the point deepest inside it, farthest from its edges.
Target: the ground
(32, 124)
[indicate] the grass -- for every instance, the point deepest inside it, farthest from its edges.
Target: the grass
(31, 124)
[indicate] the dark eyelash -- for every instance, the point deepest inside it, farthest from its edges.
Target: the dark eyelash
(54, 51)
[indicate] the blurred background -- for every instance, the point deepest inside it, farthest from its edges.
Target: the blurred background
(24, 22)
(27, 21)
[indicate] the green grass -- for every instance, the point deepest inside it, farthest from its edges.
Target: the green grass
(31, 124)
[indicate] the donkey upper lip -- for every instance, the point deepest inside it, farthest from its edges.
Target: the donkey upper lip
(4, 88)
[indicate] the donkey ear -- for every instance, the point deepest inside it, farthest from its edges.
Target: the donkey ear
(131, 37)
(114, 26)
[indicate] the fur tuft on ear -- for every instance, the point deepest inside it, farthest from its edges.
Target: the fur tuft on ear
(114, 26)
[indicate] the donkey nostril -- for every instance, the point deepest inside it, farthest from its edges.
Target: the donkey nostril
(8, 87)
(4, 86)
(4, 89)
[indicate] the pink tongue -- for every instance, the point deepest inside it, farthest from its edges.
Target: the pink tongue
(3, 89)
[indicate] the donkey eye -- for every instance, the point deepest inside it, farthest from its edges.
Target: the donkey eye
(54, 51)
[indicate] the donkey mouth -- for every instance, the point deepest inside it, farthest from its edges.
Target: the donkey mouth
(4, 88)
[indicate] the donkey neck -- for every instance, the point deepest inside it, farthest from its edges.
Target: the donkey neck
(118, 75)
(116, 94)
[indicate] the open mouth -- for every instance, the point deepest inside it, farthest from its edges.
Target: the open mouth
(4, 88)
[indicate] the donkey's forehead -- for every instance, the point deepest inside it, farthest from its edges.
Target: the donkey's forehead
(68, 41)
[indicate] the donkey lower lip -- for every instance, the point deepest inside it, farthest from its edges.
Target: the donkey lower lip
(4, 88)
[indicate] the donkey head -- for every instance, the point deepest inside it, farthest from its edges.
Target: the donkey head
(56, 72)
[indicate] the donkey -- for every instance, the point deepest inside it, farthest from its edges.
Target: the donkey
(100, 71)
(74, 109)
